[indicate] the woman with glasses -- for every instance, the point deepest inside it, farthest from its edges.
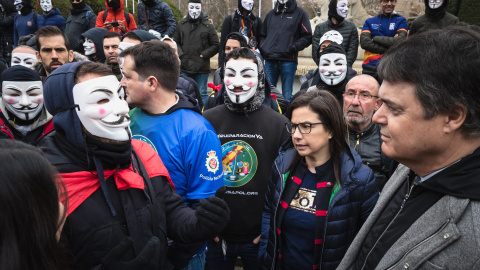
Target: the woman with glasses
(319, 194)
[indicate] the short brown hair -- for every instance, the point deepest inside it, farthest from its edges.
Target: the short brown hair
(50, 31)
(92, 68)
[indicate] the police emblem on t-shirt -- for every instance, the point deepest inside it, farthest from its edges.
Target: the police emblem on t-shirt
(239, 163)
(144, 139)
(212, 162)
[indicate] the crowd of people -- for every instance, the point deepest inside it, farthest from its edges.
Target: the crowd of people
(114, 155)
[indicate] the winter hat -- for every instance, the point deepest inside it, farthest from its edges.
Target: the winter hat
(144, 35)
(96, 35)
(19, 74)
(332, 11)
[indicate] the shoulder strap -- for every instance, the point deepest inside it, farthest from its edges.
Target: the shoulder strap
(127, 17)
(105, 14)
(87, 18)
(35, 18)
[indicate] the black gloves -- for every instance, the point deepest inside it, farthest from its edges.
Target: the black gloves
(146, 260)
(213, 215)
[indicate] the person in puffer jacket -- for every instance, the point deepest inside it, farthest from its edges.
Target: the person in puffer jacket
(51, 15)
(337, 12)
(320, 193)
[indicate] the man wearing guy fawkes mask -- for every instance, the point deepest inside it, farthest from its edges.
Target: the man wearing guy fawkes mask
(435, 17)
(50, 16)
(243, 21)
(25, 23)
(251, 134)
(332, 66)
(22, 113)
(122, 203)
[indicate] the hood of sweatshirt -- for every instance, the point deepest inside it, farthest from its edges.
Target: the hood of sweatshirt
(96, 35)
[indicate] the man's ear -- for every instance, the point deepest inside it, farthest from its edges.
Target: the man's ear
(455, 119)
(70, 56)
(378, 103)
(152, 83)
(37, 54)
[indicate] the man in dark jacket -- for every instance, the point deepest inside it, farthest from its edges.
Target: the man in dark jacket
(26, 22)
(122, 204)
(80, 19)
(251, 134)
(360, 102)
(244, 22)
(435, 17)
(156, 15)
(50, 16)
(286, 31)
(6, 29)
(22, 112)
(380, 33)
(197, 42)
(337, 12)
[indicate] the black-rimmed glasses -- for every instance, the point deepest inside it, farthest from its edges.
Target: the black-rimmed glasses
(304, 128)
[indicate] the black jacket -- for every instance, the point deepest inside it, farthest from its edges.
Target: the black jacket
(6, 30)
(286, 30)
(76, 23)
(160, 18)
(194, 39)
(347, 211)
(350, 38)
(91, 231)
(189, 87)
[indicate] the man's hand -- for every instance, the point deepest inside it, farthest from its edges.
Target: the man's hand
(213, 215)
(201, 55)
(147, 259)
(256, 240)
(107, 26)
(122, 27)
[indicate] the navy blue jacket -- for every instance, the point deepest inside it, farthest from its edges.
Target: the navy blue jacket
(160, 18)
(54, 17)
(347, 212)
(285, 32)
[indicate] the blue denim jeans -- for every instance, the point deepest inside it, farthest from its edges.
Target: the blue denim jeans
(286, 70)
(202, 80)
(197, 262)
(246, 250)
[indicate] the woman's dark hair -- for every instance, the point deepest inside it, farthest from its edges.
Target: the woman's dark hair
(326, 106)
(29, 209)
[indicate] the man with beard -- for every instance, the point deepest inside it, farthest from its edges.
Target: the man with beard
(26, 22)
(115, 19)
(360, 102)
(53, 50)
(379, 33)
(435, 17)
(22, 113)
(80, 19)
(156, 15)
(122, 203)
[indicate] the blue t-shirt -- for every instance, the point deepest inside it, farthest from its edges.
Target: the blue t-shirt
(298, 224)
(188, 146)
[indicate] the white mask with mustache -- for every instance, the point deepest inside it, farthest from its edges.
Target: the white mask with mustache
(434, 4)
(102, 108)
(24, 59)
(89, 47)
(23, 99)
(333, 68)
(342, 8)
(46, 5)
(194, 10)
(241, 80)
(247, 4)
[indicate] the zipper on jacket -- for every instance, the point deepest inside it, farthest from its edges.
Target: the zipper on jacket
(421, 243)
(275, 220)
(388, 226)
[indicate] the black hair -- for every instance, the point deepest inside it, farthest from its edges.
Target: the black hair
(155, 58)
(326, 106)
(443, 66)
(241, 52)
(29, 211)
(92, 68)
(131, 35)
(50, 31)
(112, 35)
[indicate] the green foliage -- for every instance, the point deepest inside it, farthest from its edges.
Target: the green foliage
(468, 12)
(176, 12)
(453, 7)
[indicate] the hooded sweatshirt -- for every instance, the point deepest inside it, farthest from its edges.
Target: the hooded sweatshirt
(96, 35)
(189, 147)
(54, 17)
(251, 135)
(115, 15)
(437, 18)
